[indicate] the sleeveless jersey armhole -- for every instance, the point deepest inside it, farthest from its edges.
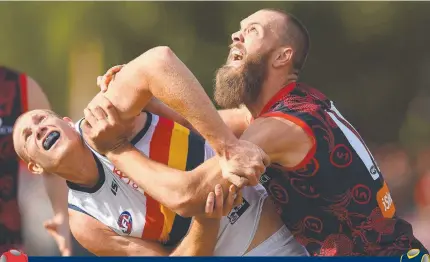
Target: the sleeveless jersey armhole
(305, 127)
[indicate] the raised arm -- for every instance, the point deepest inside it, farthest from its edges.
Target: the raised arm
(237, 120)
(159, 72)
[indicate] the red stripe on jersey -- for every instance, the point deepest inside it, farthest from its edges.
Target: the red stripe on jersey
(159, 149)
(24, 92)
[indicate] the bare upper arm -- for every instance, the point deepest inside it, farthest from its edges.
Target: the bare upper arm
(35, 96)
(237, 120)
(286, 142)
(102, 241)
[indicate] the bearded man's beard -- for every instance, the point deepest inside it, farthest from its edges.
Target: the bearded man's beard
(241, 85)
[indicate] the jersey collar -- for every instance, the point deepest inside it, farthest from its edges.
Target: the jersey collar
(281, 93)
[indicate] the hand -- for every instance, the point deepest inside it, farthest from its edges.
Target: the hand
(103, 129)
(244, 163)
(103, 81)
(58, 228)
(215, 205)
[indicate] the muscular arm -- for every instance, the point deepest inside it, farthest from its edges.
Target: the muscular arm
(102, 241)
(284, 141)
(159, 108)
(159, 72)
(186, 192)
(237, 120)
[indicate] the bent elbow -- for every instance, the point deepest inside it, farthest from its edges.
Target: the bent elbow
(186, 200)
(163, 52)
(183, 206)
(160, 56)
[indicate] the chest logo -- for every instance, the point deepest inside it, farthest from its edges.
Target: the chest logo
(125, 222)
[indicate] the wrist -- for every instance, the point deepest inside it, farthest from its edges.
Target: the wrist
(124, 147)
(207, 221)
(225, 146)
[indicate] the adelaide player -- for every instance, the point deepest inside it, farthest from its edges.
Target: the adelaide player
(111, 215)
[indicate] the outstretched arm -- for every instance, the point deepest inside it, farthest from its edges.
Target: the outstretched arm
(237, 120)
(159, 72)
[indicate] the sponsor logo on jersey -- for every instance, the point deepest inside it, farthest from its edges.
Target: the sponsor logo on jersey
(125, 222)
(114, 187)
(126, 180)
(385, 202)
(238, 211)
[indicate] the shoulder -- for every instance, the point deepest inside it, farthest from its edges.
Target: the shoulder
(285, 141)
(303, 99)
(277, 125)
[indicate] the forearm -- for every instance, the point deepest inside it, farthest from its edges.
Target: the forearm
(160, 73)
(57, 191)
(183, 192)
(167, 185)
(157, 107)
(128, 246)
(201, 239)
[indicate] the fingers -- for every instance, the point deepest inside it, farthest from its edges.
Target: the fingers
(103, 109)
(99, 82)
(229, 203)
(210, 203)
(104, 81)
(236, 180)
(239, 198)
(50, 226)
(66, 252)
(110, 111)
(215, 205)
(98, 113)
(219, 201)
(89, 117)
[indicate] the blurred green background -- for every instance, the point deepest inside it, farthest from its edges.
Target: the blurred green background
(370, 57)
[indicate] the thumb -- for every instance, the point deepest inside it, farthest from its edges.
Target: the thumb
(266, 158)
(52, 228)
(236, 180)
(66, 252)
(50, 225)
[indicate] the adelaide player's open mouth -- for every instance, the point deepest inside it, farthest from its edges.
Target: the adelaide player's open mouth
(50, 140)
